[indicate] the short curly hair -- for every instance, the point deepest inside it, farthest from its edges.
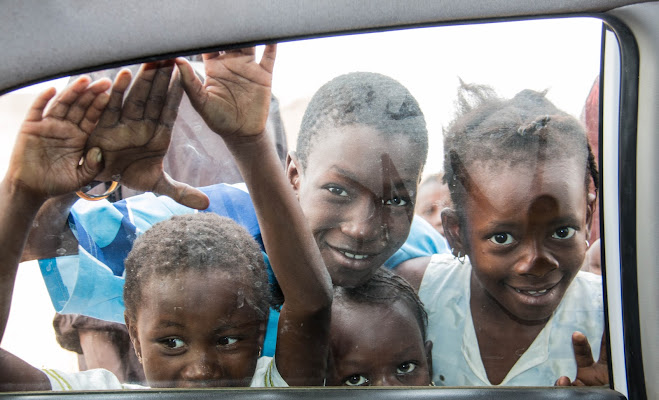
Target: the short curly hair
(526, 128)
(384, 288)
(200, 241)
(363, 98)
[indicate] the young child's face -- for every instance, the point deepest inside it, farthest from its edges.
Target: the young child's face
(197, 329)
(433, 197)
(377, 345)
(525, 232)
(357, 193)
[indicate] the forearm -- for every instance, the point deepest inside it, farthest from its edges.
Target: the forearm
(17, 212)
(290, 245)
(50, 235)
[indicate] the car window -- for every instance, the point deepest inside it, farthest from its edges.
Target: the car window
(474, 139)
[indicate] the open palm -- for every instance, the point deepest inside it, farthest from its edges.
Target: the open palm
(135, 134)
(48, 156)
(234, 99)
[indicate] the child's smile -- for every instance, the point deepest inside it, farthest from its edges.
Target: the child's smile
(196, 329)
(525, 232)
(357, 193)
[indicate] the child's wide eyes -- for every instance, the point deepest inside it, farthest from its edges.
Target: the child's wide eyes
(173, 343)
(356, 380)
(406, 368)
(565, 232)
(226, 341)
(395, 201)
(339, 191)
(502, 238)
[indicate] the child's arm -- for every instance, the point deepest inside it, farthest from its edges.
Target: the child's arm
(234, 103)
(45, 163)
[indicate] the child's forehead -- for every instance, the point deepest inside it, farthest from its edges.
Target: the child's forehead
(364, 147)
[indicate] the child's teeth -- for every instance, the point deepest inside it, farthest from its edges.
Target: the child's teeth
(532, 292)
(355, 256)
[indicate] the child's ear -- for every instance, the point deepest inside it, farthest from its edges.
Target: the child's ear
(451, 224)
(428, 347)
(591, 204)
(293, 172)
(134, 338)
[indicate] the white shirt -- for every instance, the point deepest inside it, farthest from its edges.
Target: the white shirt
(265, 375)
(445, 292)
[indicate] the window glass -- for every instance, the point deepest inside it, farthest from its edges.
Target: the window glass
(497, 117)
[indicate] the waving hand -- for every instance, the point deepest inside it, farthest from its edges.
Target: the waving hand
(235, 97)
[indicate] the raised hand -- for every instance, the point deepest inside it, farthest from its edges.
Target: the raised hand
(589, 372)
(48, 156)
(135, 136)
(235, 97)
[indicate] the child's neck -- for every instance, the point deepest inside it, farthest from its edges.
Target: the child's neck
(502, 339)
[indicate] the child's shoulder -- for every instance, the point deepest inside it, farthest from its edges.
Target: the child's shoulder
(445, 276)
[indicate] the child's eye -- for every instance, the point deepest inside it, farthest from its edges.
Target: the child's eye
(502, 238)
(339, 191)
(173, 343)
(356, 380)
(226, 341)
(396, 201)
(406, 368)
(565, 232)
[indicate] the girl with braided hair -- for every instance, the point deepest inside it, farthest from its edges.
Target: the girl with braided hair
(510, 307)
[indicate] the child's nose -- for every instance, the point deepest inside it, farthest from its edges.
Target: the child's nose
(386, 380)
(202, 367)
(364, 222)
(538, 261)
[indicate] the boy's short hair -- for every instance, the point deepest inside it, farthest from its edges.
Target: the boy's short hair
(385, 288)
(200, 241)
(363, 98)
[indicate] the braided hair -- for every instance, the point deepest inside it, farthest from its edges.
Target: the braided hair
(523, 129)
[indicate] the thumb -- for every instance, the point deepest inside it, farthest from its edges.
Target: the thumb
(563, 381)
(182, 193)
(91, 166)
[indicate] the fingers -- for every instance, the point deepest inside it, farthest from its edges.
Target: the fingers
(191, 83)
(604, 356)
(582, 352)
(268, 59)
(159, 91)
(69, 95)
(90, 167)
(112, 112)
(563, 381)
(147, 96)
(174, 95)
(78, 109)
(182, 193)
(35, 113)
(94, 113)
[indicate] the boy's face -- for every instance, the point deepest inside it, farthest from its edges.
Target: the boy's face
(433, 197)
(357, 193)
(196, 329)
(377, 345)
(525, 232)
